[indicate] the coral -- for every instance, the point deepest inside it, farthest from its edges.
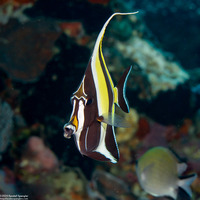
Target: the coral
(158, 135)
(75, 31)
(162, 74)
(28, 49)
(37, 157)
(72, 29)
(125, 134)
(188, 147)
(109, 186)
(65, 184)
(72, 182)
(143, 128)
(14, 9)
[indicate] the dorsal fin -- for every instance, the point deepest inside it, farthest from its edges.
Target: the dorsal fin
(101, 34)
(181, 167)
(121, 88)
(98, 45)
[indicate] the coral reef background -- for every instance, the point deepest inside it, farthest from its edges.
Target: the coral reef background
(45, 46)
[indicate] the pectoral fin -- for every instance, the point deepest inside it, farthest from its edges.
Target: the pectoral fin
(116, 120)
(121, 88)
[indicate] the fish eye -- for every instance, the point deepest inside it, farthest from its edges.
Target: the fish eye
(89, 101)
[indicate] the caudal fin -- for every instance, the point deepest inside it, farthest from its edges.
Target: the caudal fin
(185, 183)
(182, 195)
(121, 87)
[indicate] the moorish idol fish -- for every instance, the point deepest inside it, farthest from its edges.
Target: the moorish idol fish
(159, 172)
(93, 116)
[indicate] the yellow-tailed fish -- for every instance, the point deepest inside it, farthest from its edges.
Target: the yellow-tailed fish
(93, 116)
(159, 173)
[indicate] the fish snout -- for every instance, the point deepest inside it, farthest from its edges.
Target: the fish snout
(69, 130)
(71, 127)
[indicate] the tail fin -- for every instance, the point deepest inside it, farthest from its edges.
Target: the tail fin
(182, 195)
(121, 87)
(185, 183)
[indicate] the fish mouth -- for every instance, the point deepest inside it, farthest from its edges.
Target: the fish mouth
(69, 130)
